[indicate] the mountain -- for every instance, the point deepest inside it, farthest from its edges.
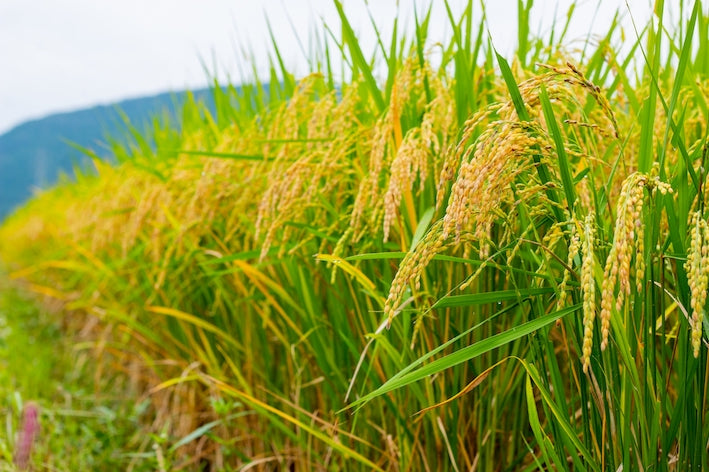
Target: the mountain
(33, 154)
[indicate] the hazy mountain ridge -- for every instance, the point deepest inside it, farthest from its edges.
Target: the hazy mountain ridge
(34, 153)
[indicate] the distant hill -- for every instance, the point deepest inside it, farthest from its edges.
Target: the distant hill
(33, 154)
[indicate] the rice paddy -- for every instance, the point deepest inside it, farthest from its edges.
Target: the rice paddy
(468, 263)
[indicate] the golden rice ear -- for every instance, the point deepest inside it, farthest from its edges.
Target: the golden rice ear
(554, 235)
(697, 267)
(307, 165)
(391, 156)
(628, 235)
(412, 268)
(419, 153)
(617, 269)
(588, 286)
(411, 160)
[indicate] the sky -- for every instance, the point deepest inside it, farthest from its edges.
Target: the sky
(60, 55)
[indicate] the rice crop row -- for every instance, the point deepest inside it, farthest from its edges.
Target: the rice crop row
(462, 264)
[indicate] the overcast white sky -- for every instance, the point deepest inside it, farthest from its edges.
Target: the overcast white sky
(59, 55)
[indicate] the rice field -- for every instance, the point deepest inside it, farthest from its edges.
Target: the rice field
(468, 263)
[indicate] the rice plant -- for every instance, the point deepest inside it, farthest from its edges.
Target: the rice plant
(473, 263)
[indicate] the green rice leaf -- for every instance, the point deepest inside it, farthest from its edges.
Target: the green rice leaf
(564, 167)
(465, 354)
(490, 297)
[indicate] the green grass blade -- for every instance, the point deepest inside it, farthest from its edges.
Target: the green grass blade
(523, 115)
(685, 54)
(222, 155)
(466, 354)
(358, 61)
(523, 30)
(560, 417)
(548, 453)
(490, 297)
(512, 88)
(564, 168)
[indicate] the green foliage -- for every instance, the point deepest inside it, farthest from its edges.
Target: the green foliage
(80, 428)
(484, 265)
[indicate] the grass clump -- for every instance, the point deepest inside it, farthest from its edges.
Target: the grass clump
(241, 274)
(48, 374)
